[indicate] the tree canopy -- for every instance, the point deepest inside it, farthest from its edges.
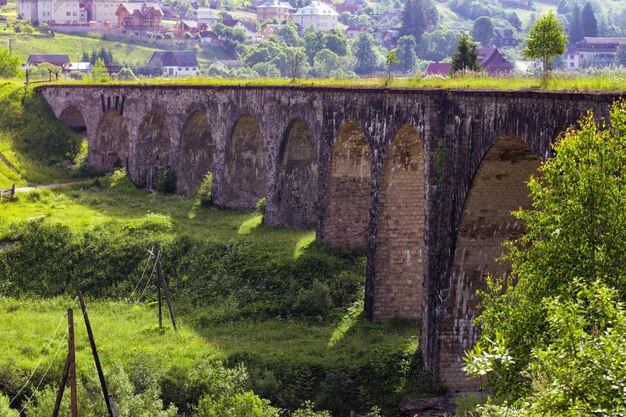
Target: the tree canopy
(590, 23)
(546, 40)
(466, 57)
(483, 31)
(364, 53)
(9, 64)
(552, 341)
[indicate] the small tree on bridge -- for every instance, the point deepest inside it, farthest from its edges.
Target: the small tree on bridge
(546, 40)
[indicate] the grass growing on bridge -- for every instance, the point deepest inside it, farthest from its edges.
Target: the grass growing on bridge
(606, 80)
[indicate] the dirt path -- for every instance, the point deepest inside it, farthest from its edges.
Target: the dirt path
(52, 186)
(9, 164)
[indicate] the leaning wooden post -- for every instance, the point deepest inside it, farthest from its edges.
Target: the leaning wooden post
(94, 350)
(165, 288)
(72, 360)
(66, 371)
(158, 285)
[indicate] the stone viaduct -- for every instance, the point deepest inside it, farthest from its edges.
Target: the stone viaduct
(423, 180)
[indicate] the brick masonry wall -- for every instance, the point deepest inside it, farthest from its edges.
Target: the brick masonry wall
(499, 188)
(400, 243)
(354, 202)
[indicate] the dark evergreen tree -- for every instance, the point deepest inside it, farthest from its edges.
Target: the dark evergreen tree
(93, 58)
(590, 23)
(466, 57)
(405, 53)
(336, 42)
(85, 57)
(413, 21)
(576, 29)
(364, 53)
(483, 31)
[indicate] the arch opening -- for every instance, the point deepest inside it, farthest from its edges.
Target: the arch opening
(110, 147)
(153, 147)
(400, 244)
(244, 166)
(73, 118)
(349, 188)
(296, 197)
(498, 188)
(196, 153)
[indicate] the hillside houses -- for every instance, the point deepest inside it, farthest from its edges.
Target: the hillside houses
(592, 52)
(317, 14)
(139, 16)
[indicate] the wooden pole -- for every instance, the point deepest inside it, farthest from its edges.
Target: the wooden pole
(66, 371)
(158, 284)
(72, 358)
(165, 288)
(94, 350)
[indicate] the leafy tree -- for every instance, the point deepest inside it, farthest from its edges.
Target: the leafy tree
(556, 333)
(289, 34)
(313, 42)
(590, 23)
(438, 44)
(483, 31)
(336, 42)
(413, 20)
(9, 64)
(126, 74)
(406, 53)
(576, 28)
(390, 60)
(546, 41)
(466, 57)
(514, 20)
(364, 53)
(99, 70)
(325, 62)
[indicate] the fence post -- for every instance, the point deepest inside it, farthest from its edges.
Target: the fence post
(12, 190)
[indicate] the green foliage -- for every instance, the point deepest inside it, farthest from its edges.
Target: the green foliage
(165, 181)
(466, 57)
(289, 35)
(364, 53)
(483, 31)
(405, 53)
(313, 42)
(414, 20)
(33, 129)
(99, 71)
(575, 235)
(336, 42)
(261, 206)
(9, 64)
(467, 405)
(307, 410)
(576, 28)
(126, 74)
(438, 44)
(590, 23)
(315, 301)
(546, 40)
(620, 56)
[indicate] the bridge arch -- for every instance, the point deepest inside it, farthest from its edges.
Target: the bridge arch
(498, 188)
(244, 180)
(196, 153)
(349, 188)
(400, 244)
(153, 146)
(73, 118)
(109, 148)
(296, 196)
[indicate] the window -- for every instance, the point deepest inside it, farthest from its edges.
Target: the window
(68, 14)
(186, 69)
(180, 69)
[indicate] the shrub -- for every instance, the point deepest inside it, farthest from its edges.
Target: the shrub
(158, 36)
(260, 206)
(165, 181)
(314, 301)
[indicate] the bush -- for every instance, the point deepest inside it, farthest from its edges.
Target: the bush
(158, 36)
(314, 301)
(165, 181)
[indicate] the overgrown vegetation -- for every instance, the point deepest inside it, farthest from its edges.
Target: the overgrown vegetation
(552, 342)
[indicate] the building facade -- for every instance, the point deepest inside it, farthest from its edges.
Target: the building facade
(592, 52)
(274, 9)
(318, 15)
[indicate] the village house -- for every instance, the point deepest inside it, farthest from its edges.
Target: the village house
(248, 28)
(350, 6)
(190, 26)
(596, 52)
(175, 63)
(209, 37)
(60, 60)
(268, 30)
(490, 60)
(139, 16)
(505, 38)
(274, 9)
(69, 12)
(317, 14)
(206, 15)
(353, 31)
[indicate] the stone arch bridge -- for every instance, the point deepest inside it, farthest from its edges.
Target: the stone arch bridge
(423, 180)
